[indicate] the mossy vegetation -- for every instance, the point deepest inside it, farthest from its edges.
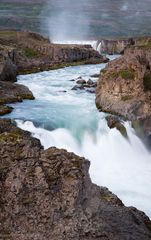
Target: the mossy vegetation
(31, 53)
(147, 81)
(103, 71)
(127, 74)
(31, 172)
(144, 43)
(12, 137)
(5, 110)
(56, 66)
(27, 200)
(124, 73)
(148, 225)
(126, 98)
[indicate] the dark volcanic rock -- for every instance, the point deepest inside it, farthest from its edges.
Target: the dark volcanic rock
(48, 195)
(5, 109)
(114, 122)
(78, 87)
(95, 75)
(81, 81)
(8, 70)
(10, 93)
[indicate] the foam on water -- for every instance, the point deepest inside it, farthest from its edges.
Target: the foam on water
(70, 120)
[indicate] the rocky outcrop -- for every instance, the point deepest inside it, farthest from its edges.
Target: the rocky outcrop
(124, 87)
(114, 46)
(11, 93)
(35, 53)
(8, 69)
(48, 195)
(114, 122)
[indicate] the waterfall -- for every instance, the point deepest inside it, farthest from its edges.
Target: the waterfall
(121, 165)
(69, 119)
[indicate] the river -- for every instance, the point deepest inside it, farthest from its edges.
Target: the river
(69, 119)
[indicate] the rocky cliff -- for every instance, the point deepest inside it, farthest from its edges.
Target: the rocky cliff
(48, 195)
(114, 46)
(30, 52)
(124, 87)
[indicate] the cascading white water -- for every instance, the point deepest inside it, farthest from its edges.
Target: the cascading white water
(68, 119)
(123, 166)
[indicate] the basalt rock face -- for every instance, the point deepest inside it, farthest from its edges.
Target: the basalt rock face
(124, 87)
(8, 69)
(48, 195)
(35, 53)
(114, 46)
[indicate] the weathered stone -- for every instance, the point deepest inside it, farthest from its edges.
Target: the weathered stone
(81, 81)
(90, 82)
(114, 46)
(124, 85)
(95, 75)
(5, 109)
(48, 195)
(114, 122)
(11, 93)
(8, 69)
(34, 53)
(78, 87)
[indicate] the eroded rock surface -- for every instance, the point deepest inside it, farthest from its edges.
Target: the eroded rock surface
(11, 93)
(114, 46)
(34, 53)
(48, 195)
(124, 87)
(8, 69)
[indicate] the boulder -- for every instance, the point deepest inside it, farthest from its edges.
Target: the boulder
(90, 82)
(114, 122)
(95, 75)
(11, 93)
(48, 195)
(81, 81)
(78, 87)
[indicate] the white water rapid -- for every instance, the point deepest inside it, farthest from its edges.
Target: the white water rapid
(69, 119)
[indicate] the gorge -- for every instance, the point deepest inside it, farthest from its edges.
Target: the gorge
(46, 192)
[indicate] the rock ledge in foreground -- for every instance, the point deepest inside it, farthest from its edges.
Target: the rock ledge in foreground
(48, 195)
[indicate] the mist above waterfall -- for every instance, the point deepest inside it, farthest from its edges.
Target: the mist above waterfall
(87, 19)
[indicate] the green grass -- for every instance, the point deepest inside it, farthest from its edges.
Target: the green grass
(127, 74)
(31, 53)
